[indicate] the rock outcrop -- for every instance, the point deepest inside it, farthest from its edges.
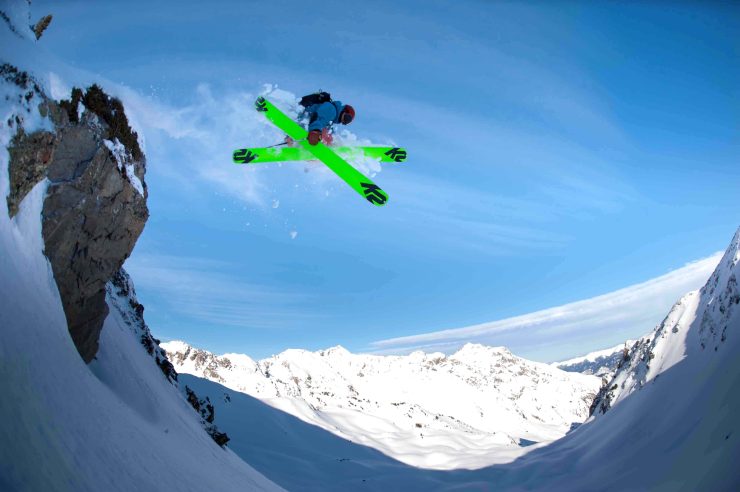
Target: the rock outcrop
(95, 208)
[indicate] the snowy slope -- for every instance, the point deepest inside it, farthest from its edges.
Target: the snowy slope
(474, 408)
(118, 424)
(119, 427)
(602, 363)
(672, 427)
(672, 419)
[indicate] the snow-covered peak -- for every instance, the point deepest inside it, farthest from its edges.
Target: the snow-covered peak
(239, 359)
(671, 398)
(476, 352)
(336, 351)
(294, 354)
(176, 346)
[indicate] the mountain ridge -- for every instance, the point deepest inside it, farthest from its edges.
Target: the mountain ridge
(479, 392)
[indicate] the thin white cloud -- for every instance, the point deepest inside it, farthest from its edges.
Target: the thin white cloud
(193, 143)
(207, 291)
(637, 307)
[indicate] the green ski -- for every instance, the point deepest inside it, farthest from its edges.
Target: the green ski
(258, 155)
(354, 178)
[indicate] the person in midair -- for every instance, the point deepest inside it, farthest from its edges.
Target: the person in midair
(321, 114)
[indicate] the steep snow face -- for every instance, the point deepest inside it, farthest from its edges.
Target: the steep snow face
(479, 406)
(602, 363)
(709, 313)
(118, 424)
(671, 408)
(647, 357)
(121, 425)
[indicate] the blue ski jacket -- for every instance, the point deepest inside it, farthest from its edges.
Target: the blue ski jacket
(323, 115)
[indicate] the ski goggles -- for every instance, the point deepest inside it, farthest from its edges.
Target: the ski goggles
(345, 118)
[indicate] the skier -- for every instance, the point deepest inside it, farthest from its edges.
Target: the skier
(354, 178)
(322, 113)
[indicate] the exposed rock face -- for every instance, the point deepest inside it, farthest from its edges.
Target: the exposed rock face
(122, 297)
(29, 158)
(205, 409)
(30, 155)
(92, 218)
(95, 207)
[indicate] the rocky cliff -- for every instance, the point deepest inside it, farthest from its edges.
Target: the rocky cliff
(95, 207)
(79, 162)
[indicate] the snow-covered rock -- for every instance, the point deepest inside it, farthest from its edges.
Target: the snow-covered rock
(17, 17)
(95, 202)
(700, 318)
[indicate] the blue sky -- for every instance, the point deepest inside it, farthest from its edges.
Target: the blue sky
(557, 153)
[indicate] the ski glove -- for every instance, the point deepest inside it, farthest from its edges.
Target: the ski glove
(314, 137)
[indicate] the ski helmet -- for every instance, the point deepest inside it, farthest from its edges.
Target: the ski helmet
(347, 115)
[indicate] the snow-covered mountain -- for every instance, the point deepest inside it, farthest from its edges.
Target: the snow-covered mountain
(478, 406)
(697, 324)
(602, 363)
(671, 420)
(101, 408)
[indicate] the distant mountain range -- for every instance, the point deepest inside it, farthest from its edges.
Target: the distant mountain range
(480, 398)
(601, 363)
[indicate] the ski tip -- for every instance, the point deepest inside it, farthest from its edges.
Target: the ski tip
(379, 203)
(374, 194)
(397, 154)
